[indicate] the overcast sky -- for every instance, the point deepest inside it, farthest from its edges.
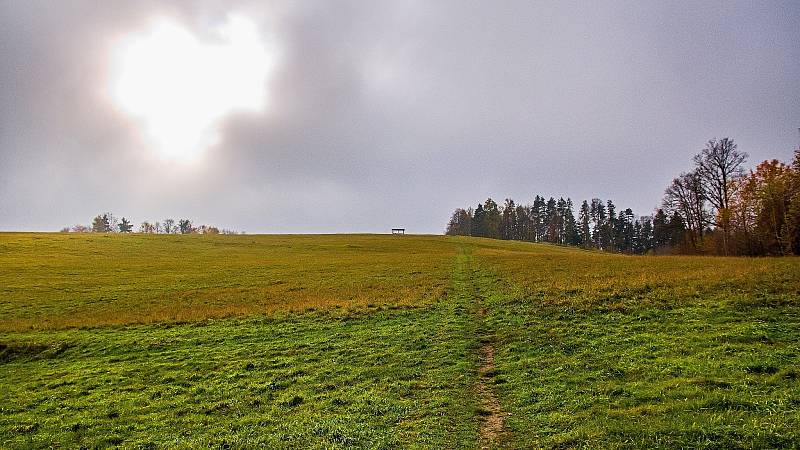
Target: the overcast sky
(392, 114)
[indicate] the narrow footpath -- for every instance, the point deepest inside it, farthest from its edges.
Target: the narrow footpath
(492, 432)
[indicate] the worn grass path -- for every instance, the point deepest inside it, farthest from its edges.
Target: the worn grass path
(492, 432)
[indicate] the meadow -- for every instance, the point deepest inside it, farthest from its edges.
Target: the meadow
(351, 341)
(57, 281)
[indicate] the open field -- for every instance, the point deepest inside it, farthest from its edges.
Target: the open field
(83, 280)
(382, 341)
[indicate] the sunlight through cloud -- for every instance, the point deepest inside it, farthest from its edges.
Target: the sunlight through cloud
(180, 87)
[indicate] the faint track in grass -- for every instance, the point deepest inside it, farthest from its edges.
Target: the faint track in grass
(492, 432)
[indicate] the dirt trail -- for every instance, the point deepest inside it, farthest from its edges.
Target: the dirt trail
(493, 424)
(492, 429)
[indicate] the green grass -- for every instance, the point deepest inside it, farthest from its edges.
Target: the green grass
(373, 341)
(614, 351)
(379, 380)
(56, 281)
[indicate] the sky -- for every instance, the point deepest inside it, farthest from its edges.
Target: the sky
(340, 116)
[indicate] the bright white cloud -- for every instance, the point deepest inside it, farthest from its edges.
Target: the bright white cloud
(180, 87)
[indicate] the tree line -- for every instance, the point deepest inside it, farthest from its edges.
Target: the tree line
(715, 208)
(108, 223)
(598, 224)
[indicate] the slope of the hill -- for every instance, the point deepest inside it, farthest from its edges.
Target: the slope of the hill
(386, 341)
(56, 281)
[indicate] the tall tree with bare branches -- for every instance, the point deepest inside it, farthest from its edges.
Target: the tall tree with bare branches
(686, 197)
(718, 165)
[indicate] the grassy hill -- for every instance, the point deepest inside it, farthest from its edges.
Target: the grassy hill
(386, 341)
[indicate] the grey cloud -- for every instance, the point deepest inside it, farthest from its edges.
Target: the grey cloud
(392, 114)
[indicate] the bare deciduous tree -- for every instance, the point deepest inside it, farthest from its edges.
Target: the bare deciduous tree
(685, 196)
(718, 166)
(169, 226)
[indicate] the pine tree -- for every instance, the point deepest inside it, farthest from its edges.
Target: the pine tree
(479, 222)
(492, 218)
(522, 223)
(538, 215)
(625, 233)
(550, 224)
(609, 231)
(598, 213)
(508, 224)
(571, 235)
(677, 230)
(125, 226)
(584, 218)
(645, 239)
(661, 231)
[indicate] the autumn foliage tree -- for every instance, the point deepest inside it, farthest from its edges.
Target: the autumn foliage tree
(792, 230)
(729, 211)
(760, 210)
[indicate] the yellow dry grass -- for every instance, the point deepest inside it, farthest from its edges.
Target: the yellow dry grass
(56, 281)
